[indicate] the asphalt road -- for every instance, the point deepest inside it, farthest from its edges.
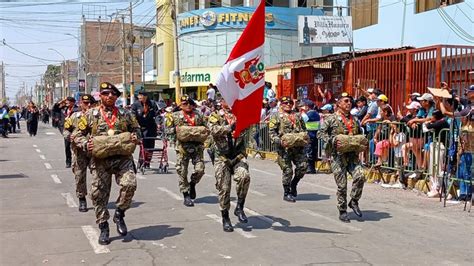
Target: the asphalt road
(40, 224)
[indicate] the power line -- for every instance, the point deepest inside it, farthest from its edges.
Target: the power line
(32, 56)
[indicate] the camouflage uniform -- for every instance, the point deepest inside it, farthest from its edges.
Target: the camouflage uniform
(121, 166)
(280, 124)
(80, 158)
(187, 151)
(342, 163)
(230, 158)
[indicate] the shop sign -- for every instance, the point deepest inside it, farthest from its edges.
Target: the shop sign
(192, 78)
(281, 18)
(325, 30)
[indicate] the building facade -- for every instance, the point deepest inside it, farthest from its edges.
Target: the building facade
(102, 54)
(3, 90)
(208, 30)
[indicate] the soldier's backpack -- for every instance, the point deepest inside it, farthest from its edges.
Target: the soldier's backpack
(293, 140)
(107, 146)
(352, 143)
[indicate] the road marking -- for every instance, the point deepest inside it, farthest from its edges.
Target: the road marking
(257, 193)
(264, 172)
(93, 235)
(170, 193)
(38, 150)
(56, 179)
(333, 221)
(50, 133)
(171, 162)
(236, 229)
(225, 256)
(35, 146)
(42, 157)
(48, 166)
(318, 186)
(69, 200)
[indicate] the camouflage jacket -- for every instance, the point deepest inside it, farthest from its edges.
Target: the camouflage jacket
(179, 119)
(94, 124)
(333, 125)
(225, 145)
(70, 125)
(283, 123)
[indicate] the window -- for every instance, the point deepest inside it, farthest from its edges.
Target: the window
(110, 48)
(160, 61)
(215, 3)
(302, 3)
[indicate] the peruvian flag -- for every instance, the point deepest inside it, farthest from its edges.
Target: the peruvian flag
(242, 78)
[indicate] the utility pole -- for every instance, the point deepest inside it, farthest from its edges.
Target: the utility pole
(403, 22)
(131, 38)
(85, 65)
(177, 75)
(124, 74)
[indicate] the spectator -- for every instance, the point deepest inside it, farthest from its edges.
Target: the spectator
(211, 92)
(371, 117)
(32, 117)
(361, 108)
(397, 140)
(12, 114)
(268, 92)
(382, 135)
(273, 104)
(413, 97)
(466, 147)
(4, 120)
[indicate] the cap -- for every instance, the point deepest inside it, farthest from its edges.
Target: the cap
(187, 99)
(414, 105)
(104, 86)
(370, 90)
(415, 94)
(382, 97)
(87, 98)
(286, 100)
(344, 95)
(272, 100)
(71, 99)
(426, 97)
(471, 88)
(326, 107)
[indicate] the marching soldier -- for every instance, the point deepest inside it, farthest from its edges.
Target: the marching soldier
(288, 121)
(230, 161)
(108, 120)
(187, 151)
(342, 122)
(80, 158)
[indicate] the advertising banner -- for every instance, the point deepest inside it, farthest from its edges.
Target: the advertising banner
(325, 30)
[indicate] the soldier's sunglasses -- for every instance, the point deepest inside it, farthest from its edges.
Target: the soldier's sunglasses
(107, 93)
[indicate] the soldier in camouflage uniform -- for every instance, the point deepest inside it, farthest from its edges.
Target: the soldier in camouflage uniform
(187, 151)
(104, 120)
(288, 121)
(80, 158)
(230, 161)
(342, 122)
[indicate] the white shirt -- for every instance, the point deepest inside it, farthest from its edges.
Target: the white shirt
(211, 93)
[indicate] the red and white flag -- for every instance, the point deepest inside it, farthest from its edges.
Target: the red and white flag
(242, 78)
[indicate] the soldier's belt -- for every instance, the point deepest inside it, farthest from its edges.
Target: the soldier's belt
(192, 133)
(108, 146)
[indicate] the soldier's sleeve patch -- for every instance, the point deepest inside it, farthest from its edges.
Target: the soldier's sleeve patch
(213, 119)
(82, 123)
(169, 121)
(272, 123)
(67, 123)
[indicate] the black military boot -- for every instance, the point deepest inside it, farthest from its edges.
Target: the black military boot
(344, 217)
(287, 194)
(294, 184)
(239, 211)
(192, 190)
(311, 168)
(226, 224)
(354, 205)
(82, 205)
(104, 233)
(118, 219)
(188, 202)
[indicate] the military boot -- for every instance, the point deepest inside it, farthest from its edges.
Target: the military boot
(192, 190)
(239, 211)
(287, 194)
(104, 233)
(344, 217)
(294, 184)
(82, 205)
(354, 205)
(188, 202)
(118, 219)
(226, 224)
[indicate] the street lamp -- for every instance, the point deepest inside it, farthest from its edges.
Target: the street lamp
(64, 73)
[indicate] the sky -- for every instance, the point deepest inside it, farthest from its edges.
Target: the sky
(34, 28)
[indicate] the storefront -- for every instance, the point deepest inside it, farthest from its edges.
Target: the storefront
(195, 81)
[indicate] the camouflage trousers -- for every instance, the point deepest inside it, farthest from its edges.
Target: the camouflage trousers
(340, 166)
(182, 163)
(285, 160)
(224, 173)
(80, 162)
(122, 168)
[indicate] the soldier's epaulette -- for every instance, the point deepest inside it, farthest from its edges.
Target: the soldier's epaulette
(214, 118)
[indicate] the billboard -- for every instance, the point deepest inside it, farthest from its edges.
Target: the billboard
(325, 30)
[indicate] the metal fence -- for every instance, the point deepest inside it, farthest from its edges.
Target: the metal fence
(407, 150)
